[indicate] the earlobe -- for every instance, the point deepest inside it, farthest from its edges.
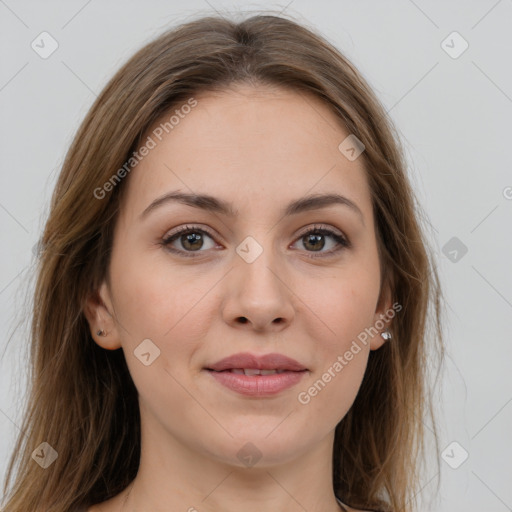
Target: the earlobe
(102, 325)
(379, 340)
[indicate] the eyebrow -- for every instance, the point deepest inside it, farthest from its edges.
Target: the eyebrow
(212, 204)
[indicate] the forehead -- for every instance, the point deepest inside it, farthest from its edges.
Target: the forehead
(248, 144)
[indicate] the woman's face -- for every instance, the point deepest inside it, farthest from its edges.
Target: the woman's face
(245, 278)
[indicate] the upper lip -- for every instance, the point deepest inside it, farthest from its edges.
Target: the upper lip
(245, 360)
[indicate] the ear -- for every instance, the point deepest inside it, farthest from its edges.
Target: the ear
(98, 310)
(382, 317)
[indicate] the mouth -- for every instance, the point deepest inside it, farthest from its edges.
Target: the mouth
(257, 375)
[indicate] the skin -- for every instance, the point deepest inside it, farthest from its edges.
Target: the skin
(258, 148)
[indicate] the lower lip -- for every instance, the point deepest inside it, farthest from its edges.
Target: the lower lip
(258, 385)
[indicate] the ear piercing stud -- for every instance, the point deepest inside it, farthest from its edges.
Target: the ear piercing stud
(386, 335)
(101, 332)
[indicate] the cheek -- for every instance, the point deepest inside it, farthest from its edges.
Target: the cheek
(172, 309)
(342, 305)
(341, 362)
(339, 370)
(156, 299)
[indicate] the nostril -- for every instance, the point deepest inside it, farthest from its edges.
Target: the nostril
(243, 320)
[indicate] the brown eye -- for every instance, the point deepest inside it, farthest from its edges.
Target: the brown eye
(316, 239)
(188, 239)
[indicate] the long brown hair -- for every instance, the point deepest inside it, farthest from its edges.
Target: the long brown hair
(82, 400)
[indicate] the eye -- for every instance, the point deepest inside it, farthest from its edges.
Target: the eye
(190, 239)
(314, 240)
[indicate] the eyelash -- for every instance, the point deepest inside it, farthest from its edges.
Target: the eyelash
(343, 243)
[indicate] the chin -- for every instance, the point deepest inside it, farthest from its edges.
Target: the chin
(252, 448)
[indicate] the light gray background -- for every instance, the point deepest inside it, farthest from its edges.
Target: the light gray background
(454, 117)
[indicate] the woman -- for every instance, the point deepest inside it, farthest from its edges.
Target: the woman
(235, 215)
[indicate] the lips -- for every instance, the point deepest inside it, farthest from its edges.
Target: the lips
(258, 386)
(257, 376)
(250, 364)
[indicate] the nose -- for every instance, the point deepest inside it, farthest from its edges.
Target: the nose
(258, 296)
